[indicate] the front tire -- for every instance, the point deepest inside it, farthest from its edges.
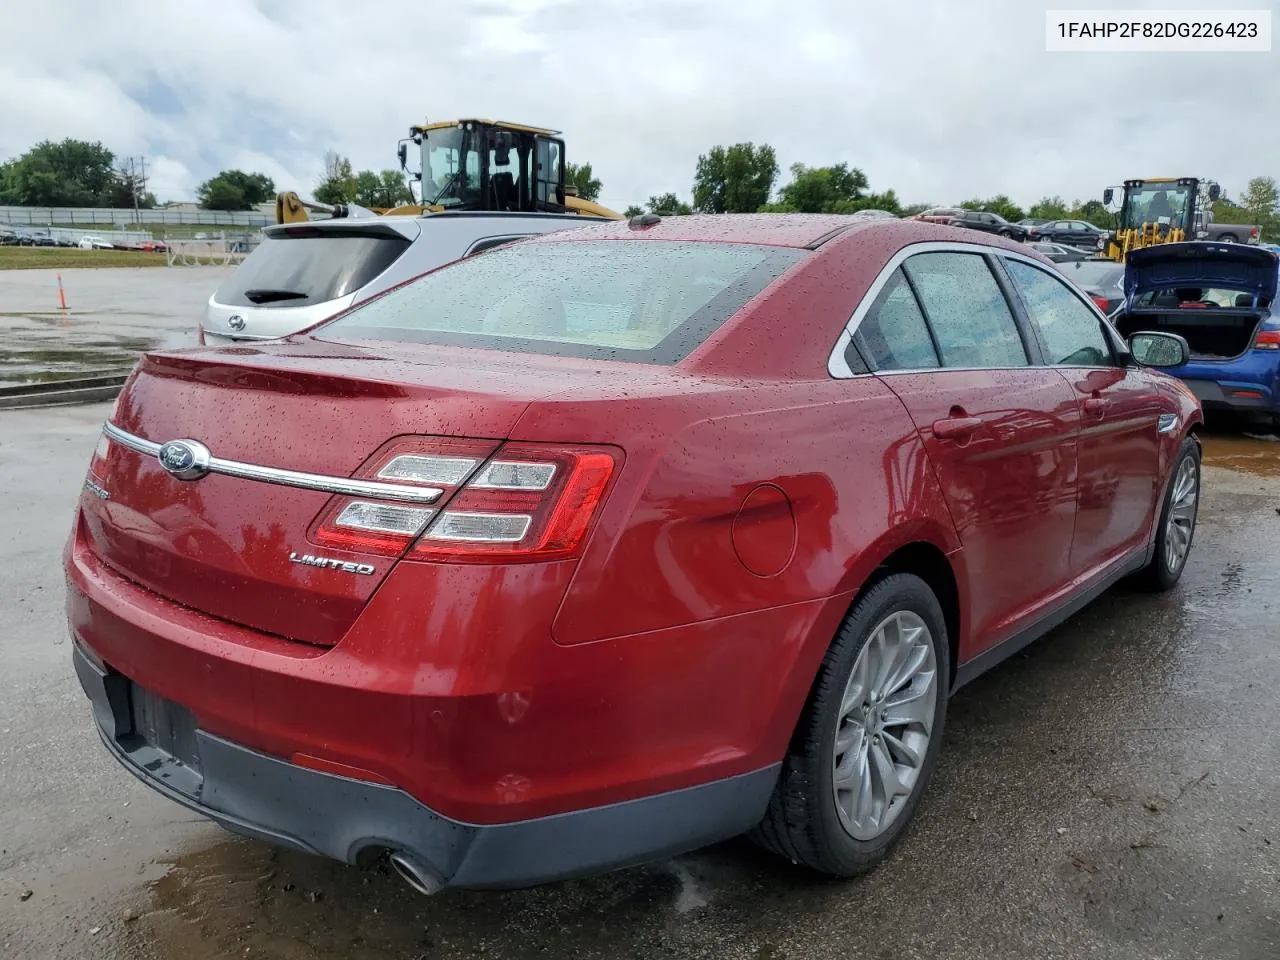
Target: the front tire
(1177, 524)
(867, 742)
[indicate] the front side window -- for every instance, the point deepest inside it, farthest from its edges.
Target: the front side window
(450, 167)
(1071, 333)
(893, 335)
(964, 305)
(650, 301)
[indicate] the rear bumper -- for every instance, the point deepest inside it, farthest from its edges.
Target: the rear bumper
(1242, 396)
(260, 796)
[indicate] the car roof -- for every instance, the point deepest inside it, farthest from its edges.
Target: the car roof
(801, 230)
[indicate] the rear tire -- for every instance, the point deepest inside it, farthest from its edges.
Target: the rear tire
(1177, 524)
(1228, 238)
(867, 741)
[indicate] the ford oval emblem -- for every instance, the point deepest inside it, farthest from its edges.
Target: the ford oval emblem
(235, 321)
(185, 459)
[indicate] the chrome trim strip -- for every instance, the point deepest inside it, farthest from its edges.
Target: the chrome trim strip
(346, 486)
(839, 369)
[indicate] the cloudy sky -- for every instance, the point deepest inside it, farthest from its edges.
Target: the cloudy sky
(940, 99)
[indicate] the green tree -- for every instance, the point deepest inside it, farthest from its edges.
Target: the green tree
(1261, 197)
(580, 176)
(339, 183)
(1096, 212)
(632, 211)
(836, 189)
(999, 204)
(887, 201)
(734, 179)
(71, 173)
(219, 194)
(1048, 208)
(245, 190)
(381, 190)
(668, 205)
(368, 189)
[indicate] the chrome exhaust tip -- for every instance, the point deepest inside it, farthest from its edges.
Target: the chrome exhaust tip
(415, 874)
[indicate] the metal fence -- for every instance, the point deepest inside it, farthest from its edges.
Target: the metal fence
(106, 216)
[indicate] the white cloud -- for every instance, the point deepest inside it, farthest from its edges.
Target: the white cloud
(937, 99)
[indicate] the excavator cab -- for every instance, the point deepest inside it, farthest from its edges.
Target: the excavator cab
(486, 165)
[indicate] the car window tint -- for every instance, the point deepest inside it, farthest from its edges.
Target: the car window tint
(650, 302)
(967, 310)
(1071, 332)
(893, 335)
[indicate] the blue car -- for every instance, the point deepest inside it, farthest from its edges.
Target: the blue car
(1219, 298)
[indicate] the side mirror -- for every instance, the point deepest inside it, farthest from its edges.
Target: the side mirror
(1107, 196)
(1215, 191)
(403, 153)
(1159, 350)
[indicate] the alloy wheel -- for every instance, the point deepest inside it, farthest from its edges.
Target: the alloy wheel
(885, 726)
(1182, 515)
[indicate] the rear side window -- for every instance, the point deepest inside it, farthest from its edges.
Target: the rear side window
(893, 335)
(970, 317)
(1071, 332)
(306, 266)
(648, 301)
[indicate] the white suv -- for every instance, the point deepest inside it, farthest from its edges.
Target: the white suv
(303, 273)
(95, 243)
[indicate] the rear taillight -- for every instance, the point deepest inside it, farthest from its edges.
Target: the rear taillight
(1267, 340)
(517, 503)
(98, 462)
(1100, 300)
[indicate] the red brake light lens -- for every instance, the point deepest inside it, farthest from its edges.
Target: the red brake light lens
(519, 503)
(1100, 300)
(531, 502)
(1267, 340)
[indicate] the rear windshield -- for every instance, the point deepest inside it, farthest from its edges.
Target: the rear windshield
(647, 301)
(309, 266)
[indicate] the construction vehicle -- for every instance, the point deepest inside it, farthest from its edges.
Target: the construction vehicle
(472, 165)
(1167, 210)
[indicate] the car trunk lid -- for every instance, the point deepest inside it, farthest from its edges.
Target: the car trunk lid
(1232, 266)
(238, 548)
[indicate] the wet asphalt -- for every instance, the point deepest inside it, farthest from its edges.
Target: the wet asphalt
(1111, 792)
(112, 315)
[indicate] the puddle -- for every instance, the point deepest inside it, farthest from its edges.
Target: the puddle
(1256, 454)
(40, 348)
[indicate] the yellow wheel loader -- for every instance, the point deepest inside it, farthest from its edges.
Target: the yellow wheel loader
(473, 165)
(1159, 210)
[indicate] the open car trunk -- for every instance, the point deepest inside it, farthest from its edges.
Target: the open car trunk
(1212, 334)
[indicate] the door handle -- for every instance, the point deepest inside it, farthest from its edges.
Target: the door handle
(956, 428)
(1096, 405)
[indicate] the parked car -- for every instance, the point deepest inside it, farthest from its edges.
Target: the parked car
(872, 214)
(38, 238)
(1232, 233)
(1031, 222)
(989, 223)
(301, 274)
(95, 243)
(1101, 280)
(1073, 233)
(1060, 253)
(8, 237)
(569, 556)
(1219, 298)
(939, 214)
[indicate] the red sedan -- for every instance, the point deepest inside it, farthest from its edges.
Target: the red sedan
(610, 544)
